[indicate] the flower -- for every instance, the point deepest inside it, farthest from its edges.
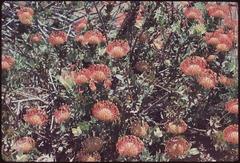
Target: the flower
(176, 147)
(83, 76)
(228, 82)
(93, 38)
(35, 38)
(193, 65)
(7, 62)
(79, 39)
(92, 144)
(207, 78)
(129, 145)
(99, 72)
(105, 111)
(232, 106)
(139, 128)
(83, 156)
(107, 83)
(92, 86)
(142, 66)
(176, 127)
(35, 116)
(118, 48)
(62, 114)
(212, 58)
(219, 11)
(25, 15)
(193, 13)
(119, 19)
(80, 24)
(24, 144)
(57, 38)
(230, 134)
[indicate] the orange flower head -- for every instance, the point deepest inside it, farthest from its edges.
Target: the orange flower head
(93, 38)
(176, 127)
(224, 44)
(107, 83)
(228, 82)
(230, 134)
(62, 114)
(139, 128)
(105, 111)
(36, 117)
(118, 48)
(57, 38)
(212, 58)
(92, 144)
(193, 65)
(207, 78)
(80, 24)
(232, 106)
(176, 147)
(25, 15)
(7, 62)
(35, 38)
(84, 156)
(129, 146)
(119, 19)
(83, 76)
(219, 11)
(24, 144)
(193, 13)
(99, 72)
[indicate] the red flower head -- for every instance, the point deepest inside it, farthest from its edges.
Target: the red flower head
(219, 11)
(207, 78)
(93, 38)
(176, 127)
(228, 82)
(7, 62)
(230, 134)
(176, 147)
(105, 111)
(36, 117)
(99, 72)
(118, 48)
(193, 65)
(24, 144)
(193, 13)
(62, 114)
(139, 128)
(35, 38)
(84, 156)
(83, 76)
(119, 19)
(80, 24)
(129, 146)
(57, 38)
(25, 15)
(232, 106)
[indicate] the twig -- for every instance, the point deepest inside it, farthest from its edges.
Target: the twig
(50, 75)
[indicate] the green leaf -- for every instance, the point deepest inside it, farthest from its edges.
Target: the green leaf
(194, 151)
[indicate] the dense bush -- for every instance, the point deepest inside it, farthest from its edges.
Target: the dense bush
(119, 81)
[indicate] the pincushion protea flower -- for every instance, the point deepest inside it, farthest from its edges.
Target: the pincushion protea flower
(25, 15)
(84, 156)
(83, 76)
(139, 128)
(35, 38)
(24, 144)
(92, 144)
(212, 58)
(93, 38)
(193, 13)
(207, 78)
(80, 24)
(219, 11)
(62, 114)
(228, 82)
(99, 72)
(232, 106)
(35, 116)
(7, 62)
(57, 38)
(176, 147)
(176, 127)
(230, 134)
(118, 48)
(129, 146)
(105, 111)
(193, 65)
